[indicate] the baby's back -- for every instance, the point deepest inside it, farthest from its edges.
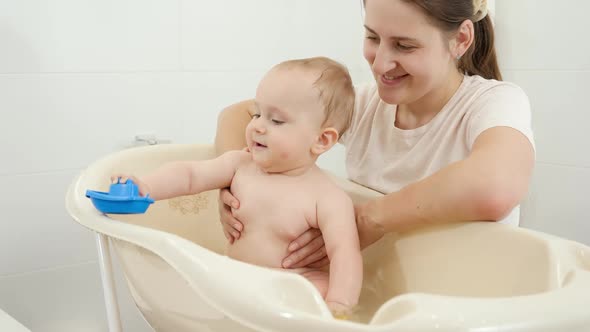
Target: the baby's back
(275, 209)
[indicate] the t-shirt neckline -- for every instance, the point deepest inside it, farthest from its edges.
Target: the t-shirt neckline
(422, 129)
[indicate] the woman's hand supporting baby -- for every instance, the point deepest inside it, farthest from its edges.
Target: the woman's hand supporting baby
(307, 250)
(231, 226)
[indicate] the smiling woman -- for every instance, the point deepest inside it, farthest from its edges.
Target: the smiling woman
(410, 59)
(437, 130)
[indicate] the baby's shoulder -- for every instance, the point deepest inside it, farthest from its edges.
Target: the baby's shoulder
(238, 158)
(328, 191)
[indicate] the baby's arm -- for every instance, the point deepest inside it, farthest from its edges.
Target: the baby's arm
(338, 225)
(191, 177)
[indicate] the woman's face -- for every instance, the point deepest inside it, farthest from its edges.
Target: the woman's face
(409, 57)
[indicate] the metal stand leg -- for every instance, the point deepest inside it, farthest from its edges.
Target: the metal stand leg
(108, 283)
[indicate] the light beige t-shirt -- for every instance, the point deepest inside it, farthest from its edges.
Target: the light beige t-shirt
(385, 158)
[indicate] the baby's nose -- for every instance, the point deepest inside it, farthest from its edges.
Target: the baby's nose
(260, 128)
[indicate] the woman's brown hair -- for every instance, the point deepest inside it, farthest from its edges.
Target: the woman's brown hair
(480, 59)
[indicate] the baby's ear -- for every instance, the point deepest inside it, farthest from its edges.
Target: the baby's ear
(327, 138)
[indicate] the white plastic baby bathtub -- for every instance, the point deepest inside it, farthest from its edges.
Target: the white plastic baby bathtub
(458, 277)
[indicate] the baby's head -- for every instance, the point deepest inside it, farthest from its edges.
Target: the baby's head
(302, 108)
(333, 85)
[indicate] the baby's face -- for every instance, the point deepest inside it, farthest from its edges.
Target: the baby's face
(287, 120)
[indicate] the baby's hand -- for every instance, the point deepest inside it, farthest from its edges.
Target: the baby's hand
(339, 310)
(122, 178)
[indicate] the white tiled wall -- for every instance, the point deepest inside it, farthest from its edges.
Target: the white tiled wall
(541, 35)
(242, 35)
(80, 78)
(88, 36)
(543, 47)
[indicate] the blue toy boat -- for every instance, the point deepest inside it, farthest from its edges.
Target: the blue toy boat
(122, 198)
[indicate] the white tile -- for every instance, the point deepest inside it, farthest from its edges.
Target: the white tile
(66, 121)
(206, 94)
(36, 232)
(561, 113)
(362, 75)
(492, 6)
(541, 34)
(558, 202)
(86, 35)
(254, 35)
(66, 300)
(334, 161)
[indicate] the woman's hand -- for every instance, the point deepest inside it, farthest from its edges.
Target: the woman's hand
(307, 250)
(369, 229)
(232, 227)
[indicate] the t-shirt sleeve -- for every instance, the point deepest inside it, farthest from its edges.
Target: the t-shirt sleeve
(504, 105)
(363, 94)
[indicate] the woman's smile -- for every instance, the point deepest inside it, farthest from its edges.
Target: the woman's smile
(392, 80)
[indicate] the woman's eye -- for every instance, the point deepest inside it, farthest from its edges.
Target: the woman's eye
(278, 122)
(405, 47)
(255, 116)
(371, 38)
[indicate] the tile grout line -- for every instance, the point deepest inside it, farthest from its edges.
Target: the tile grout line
(45, 172)
(563, 165)
(49, 269)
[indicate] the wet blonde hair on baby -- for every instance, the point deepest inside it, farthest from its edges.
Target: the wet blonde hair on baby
(335, 88)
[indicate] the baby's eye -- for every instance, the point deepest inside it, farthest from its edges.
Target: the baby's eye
(277, 122)
(255, 116)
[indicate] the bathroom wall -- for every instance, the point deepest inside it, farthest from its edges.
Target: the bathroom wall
(80, 78)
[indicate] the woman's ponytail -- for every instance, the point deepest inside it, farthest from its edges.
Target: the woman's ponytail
(480, 59)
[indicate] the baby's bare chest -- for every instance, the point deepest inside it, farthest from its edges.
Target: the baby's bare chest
(278, 204)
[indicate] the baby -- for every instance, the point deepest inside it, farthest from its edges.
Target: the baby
(300, 109)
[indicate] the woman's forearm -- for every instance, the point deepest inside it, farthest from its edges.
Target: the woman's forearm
(231, 127)
(449, 195)
(485, 186)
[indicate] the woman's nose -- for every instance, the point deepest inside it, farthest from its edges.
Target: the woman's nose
(384, 60)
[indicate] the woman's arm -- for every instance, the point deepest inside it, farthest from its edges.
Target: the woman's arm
(231, 135)
(486, 185)
(231, 126)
